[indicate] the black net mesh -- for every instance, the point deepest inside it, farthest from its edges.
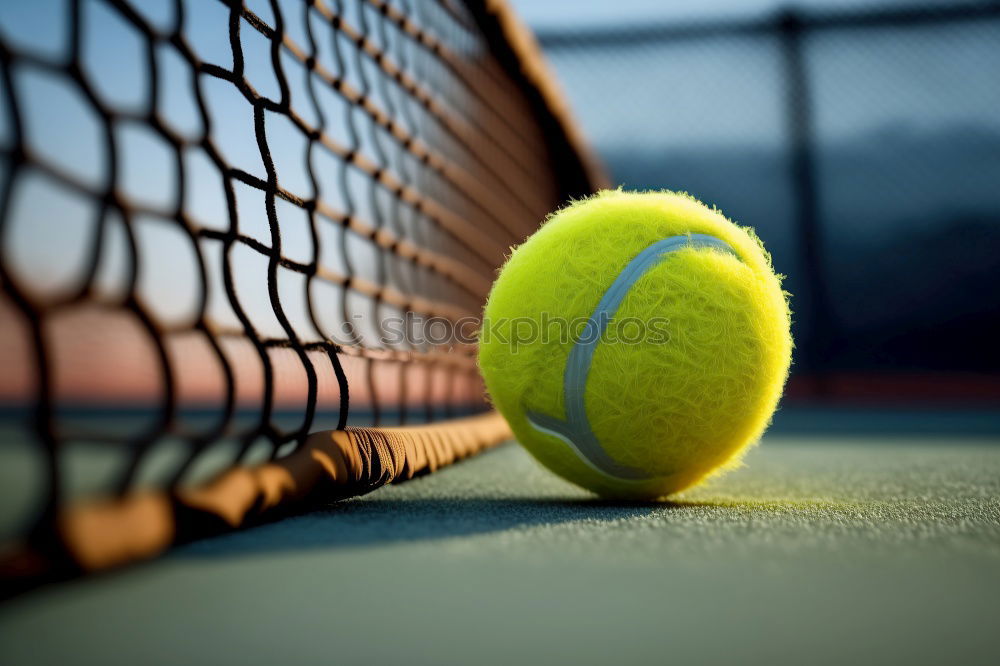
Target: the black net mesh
(225, 223)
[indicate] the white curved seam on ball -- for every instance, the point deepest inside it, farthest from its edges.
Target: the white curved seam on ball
(576, 430)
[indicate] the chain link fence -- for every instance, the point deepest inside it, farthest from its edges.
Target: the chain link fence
(864, 147)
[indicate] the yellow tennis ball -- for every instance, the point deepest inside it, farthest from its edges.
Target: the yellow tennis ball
(637, 343)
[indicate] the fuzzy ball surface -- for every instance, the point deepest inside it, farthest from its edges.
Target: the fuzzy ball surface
(637, 343)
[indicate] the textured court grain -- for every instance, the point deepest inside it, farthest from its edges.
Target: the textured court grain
(821, 550)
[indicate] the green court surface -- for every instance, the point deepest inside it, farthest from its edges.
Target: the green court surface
(846, 548)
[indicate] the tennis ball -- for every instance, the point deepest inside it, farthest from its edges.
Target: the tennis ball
(637, 343)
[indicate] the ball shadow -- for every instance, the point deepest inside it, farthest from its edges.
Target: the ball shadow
(367, 522)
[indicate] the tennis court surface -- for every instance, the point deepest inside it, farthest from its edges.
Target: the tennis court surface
(860, 546)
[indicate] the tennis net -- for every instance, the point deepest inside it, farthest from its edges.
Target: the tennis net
(228, 225)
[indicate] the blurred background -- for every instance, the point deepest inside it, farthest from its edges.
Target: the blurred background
(860, 139)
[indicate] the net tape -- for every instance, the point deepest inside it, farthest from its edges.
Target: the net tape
(392, 152)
